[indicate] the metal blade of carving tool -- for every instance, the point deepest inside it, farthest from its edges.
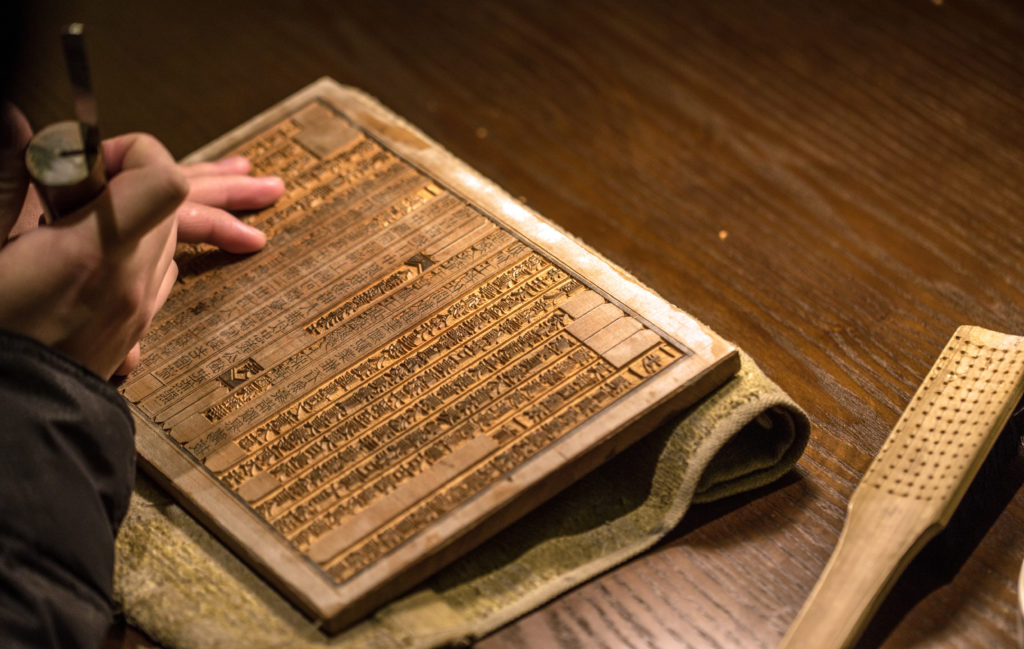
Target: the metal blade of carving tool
(915, 483)
(64, 160)
(73, 42)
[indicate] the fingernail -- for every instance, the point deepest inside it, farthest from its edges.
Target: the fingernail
(272, 183)
(256, 233)
(235, 163)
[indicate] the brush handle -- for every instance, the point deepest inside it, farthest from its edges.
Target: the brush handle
(915, 483)
(878, 540)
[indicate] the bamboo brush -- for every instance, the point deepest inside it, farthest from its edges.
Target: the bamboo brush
(915, 483)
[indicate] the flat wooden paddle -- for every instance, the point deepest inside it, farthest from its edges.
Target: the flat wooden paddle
(913, 486)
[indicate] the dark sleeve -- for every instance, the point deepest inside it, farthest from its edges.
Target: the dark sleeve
(67, 463)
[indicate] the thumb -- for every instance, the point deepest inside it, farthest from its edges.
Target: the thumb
(145, 188)
(14, 136)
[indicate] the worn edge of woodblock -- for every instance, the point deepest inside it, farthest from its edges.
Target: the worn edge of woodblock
(711, 362)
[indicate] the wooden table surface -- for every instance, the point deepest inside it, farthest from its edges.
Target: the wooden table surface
(833, 186)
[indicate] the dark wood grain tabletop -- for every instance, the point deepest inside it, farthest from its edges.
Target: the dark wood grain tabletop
(834, 186)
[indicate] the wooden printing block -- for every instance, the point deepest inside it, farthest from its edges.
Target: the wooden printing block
(413, 362)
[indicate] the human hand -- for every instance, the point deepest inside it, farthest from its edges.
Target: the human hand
(66, 294)
(225, 185)
(14, 136)
(213, 188)
(89, 284)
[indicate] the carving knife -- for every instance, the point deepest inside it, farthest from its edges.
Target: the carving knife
(64, 160)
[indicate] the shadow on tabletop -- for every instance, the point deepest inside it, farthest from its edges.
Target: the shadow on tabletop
(702, 514)
(992, 490)
(631, 489)
(995, 486)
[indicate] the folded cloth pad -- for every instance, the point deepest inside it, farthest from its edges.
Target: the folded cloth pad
(180, 585)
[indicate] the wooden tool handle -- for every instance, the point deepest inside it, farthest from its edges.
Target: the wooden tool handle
(915, 482)
(874, 547)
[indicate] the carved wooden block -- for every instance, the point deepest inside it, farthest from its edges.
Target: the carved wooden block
(414, 361)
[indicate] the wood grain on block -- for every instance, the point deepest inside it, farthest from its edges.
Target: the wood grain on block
(258, 486)
(144, 386)
(194, 426)
(582, 303)
(405, 356)
(167, 404)
(475, 229)
(321, 133)
(464, 227)
(629, 349)
(197, 402)
(224, 457)
(612, 334)
(285, 348)
(594, 321)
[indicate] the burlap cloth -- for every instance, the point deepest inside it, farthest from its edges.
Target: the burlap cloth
(188, 591)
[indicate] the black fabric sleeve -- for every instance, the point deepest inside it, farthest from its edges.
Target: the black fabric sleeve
(67, 463)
